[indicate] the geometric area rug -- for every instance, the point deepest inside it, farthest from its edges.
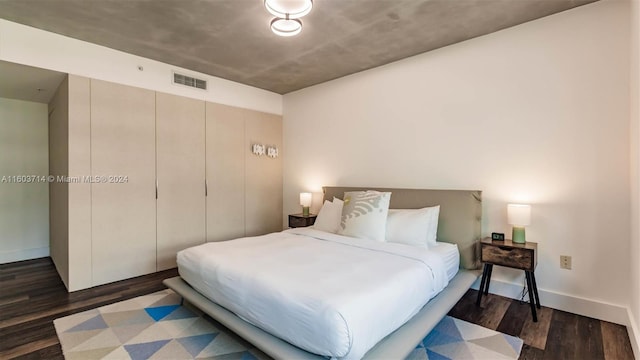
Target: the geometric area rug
(157, 326)
(152, 326)
(457, 339)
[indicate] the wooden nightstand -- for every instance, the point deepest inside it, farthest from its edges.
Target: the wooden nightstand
(513, 255)
(299, 220)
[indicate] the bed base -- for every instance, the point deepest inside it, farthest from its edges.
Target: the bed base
(396, 345)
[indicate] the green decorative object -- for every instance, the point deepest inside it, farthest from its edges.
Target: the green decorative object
(519, 216)
(517, 235)
(305, 202)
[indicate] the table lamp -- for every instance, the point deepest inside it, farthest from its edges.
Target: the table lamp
(519, 216)
(305, 201)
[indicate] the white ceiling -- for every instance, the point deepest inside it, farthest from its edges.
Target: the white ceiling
(21, 82)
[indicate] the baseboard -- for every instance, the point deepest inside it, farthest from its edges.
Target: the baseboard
(569, 303)
(25, 254)
(632, 329)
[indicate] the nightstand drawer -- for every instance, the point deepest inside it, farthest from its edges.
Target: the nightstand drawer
(298, 220)
(522, 256)
(508, 256)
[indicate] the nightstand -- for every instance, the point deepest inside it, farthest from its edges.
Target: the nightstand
(516, 256)
(299, 220)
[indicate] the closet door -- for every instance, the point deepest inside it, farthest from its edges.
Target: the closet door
(263, 175)
(123, 206)
(180, 159)
(225, 172)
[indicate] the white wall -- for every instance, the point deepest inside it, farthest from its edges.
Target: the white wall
(30, 46)
(24, 207)
(537, 113)
(634, 132)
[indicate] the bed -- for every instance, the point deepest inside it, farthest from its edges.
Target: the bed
(459, 224)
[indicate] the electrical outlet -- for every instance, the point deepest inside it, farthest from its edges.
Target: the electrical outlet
(565, 262)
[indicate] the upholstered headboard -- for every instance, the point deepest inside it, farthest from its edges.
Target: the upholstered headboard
(460, 215)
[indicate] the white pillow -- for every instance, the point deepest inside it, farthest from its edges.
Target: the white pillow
(416, 227)
(364, 214)
(329, 216)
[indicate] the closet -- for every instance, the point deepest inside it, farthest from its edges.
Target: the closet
(123, 214)
(180, 167)
(263, 175)
(167, 172)
(225, 172)
(244, 189)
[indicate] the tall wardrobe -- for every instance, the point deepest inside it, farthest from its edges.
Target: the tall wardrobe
(147, 174)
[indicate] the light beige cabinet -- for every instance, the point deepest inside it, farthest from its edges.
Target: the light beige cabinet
(180, 167)
(123, 203)
(225, 172)
(167, 173)
(245, 190)
(263, 175)
(70, 202)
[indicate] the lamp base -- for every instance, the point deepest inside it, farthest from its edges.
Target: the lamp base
(305, 211)
(517, 235)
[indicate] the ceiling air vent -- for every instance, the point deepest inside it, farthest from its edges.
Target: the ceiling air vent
(189, 81)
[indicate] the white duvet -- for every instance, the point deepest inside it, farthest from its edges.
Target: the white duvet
(328, 294)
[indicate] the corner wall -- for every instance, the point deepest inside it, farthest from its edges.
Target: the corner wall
(59, 191)
(79, 157)
(634, 307)
(24, 206)
(537, 113)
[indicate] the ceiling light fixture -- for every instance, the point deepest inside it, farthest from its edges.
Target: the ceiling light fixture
(293, 9)
(287, 13)
(286, 27)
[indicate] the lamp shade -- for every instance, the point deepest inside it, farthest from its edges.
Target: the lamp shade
(518, 214)
(305, 199)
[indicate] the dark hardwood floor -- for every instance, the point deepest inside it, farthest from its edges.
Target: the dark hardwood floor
(556, 335)
(32, 296)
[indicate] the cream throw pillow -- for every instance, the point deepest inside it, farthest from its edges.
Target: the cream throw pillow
(364, 214)
(329, 216)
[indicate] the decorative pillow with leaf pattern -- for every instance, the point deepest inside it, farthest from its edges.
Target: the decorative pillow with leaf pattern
(364, 214)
